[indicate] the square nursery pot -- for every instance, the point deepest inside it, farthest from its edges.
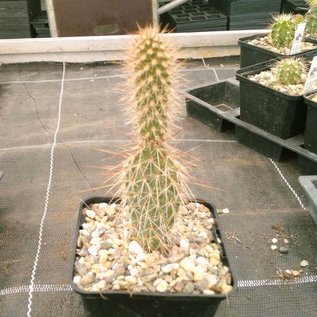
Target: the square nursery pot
(309, 184)
(124, 304)
(310, 136)
(213, 103)
(251, 54)
(279, 114)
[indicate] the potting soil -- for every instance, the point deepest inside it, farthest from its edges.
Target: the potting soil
(61, 122)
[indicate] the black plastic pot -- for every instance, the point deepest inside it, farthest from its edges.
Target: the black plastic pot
(310, 136)
(124, 304)
(218, 98)
(275, 112)
(309, 184)
(236, 7)
(251, 54)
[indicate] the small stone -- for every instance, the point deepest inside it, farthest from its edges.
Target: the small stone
(208, 292)
(273, 247)
(178, 287)
(296, 273)
(304, 263)
(189, 288)
(93, 250)
(184, 244)
(274, 240)
(160, 285)
(90, 213)
(81, 268)
(87, 279)
(285, 241)
(149, 278)
(224, 211)
(201, 285)
(131, 279)
(167, 268)
(187, 264)
(76, 279)
(226, 288)
(135, 247)
(199, 273)
(101, 284)
(283, 249)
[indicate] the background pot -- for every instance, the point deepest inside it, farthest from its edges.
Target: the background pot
(251, 54)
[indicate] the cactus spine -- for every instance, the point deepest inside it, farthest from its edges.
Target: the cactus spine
(152, 181)
(283, 31)
(311, 18)
(290, 71)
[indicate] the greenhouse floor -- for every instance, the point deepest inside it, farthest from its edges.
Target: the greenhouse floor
(51, 133)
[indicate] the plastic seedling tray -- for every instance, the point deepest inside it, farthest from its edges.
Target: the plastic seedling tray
(236, 7)
(195, 16)
(203, 104)
(251, 54)
(309, 184)
(124, 304)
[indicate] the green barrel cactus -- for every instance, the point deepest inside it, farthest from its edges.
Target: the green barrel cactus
(283, 31)
(153, 180)
(311, 18)
(290, 70)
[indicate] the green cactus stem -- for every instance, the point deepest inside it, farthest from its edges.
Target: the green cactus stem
(152, 181)
(311, 18)
(290, 71)
(283, 31)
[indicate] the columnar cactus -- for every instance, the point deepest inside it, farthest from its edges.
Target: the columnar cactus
(290, 70)
(283, 31)
(311, 18)
(152, 181)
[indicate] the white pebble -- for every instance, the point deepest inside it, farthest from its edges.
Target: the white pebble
(160, 285)
(184, 244)
(134, 247)
(273, 247)
(304, 263)
(274, 240)
(95, 241)
(90, 213)
(167, 268)
(76, 279)
(225, 211)
(93, 250)
(187, 264)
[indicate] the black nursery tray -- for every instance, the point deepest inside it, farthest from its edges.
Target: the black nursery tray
(236, 7)
(193, 16)
(124, 304)
(295, 6)
(217, 105)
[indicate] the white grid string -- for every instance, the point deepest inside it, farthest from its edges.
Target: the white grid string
(211, 68)
(53, 288)
(48, 190)
(288, 185)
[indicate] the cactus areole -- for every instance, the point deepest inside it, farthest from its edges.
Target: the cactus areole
(152, 180)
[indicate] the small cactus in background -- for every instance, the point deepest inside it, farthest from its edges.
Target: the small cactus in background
(311, 18)
(152, 181)
(283, 31)
(290, 70)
